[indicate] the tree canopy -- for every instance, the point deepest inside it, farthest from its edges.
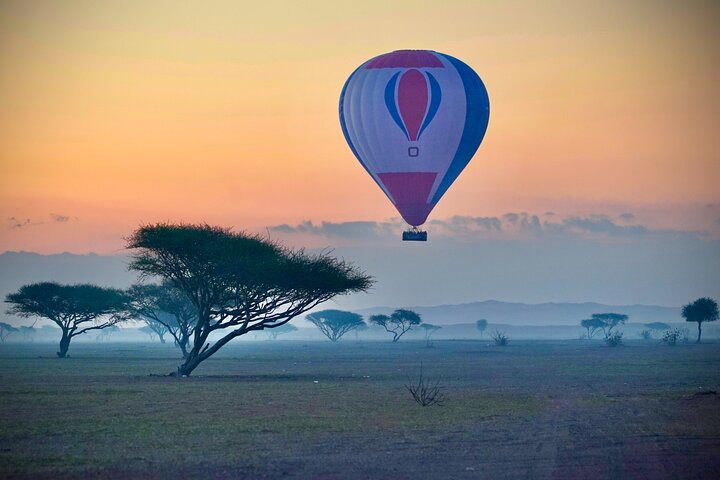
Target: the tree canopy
(238, 282)
(609, 321)
(335, 323)
(592, 325)
(481, 325)
(76, 309)
(701, 310)
(6, 330)
(397, 323)
(429, 330)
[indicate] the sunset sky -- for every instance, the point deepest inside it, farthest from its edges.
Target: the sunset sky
(114, 114)
(604, 121)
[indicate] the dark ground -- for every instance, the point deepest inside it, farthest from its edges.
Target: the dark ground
(285, 409)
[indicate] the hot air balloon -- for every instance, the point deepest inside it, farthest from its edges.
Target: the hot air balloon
(414, 119)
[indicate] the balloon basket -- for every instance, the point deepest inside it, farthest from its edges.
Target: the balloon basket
(414, 235)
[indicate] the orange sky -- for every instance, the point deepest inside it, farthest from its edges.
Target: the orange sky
(117, 113)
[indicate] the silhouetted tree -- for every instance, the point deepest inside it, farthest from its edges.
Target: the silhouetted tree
(28, 333)
(701, 310)
(481, 325)
(237, 281)
(106, 332)
(592, 325)
(165, 309)
(150, 332)
(282, 329)
(397, 323)
(429, 330)
(76, 309)
(335, 323)
(609, 321)
(6, 330)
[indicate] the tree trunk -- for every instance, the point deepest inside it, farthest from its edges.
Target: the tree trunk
(699, 332)
(64, 344)
(188, 365)
(162, 337)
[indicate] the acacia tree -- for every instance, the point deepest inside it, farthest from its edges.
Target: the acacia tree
(335, 323)
(6, 330)
(429, 330)
(481, 325)
(592, 325)
(238, 282)
(608, 321)
(165, 309)
(285, 328)
(701, 310)
(28, 333)
(76, 309)
(397, 323)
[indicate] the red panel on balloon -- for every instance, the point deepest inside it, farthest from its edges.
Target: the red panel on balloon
(406, 59)
(412, 99)
(410, 192)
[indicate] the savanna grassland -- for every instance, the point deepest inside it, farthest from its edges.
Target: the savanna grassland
(290, 409)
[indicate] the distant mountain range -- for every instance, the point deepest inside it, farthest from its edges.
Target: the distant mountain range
(19, 268)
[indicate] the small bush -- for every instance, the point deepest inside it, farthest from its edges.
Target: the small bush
(646, 334)
(500, 338)
(425, 393)
(671, 336)
(614, 339)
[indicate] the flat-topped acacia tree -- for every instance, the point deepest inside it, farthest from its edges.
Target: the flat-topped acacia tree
(398, 322)
(76, 309)
(238, 282)
(335, 323)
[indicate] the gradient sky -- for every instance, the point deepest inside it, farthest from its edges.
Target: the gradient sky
(114, 114)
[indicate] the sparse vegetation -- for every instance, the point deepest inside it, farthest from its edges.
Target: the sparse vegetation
(614, 339)
(701, 310)
(646, 334)
(424, 392)
(398, 323)
(500, 338)
(670, 337)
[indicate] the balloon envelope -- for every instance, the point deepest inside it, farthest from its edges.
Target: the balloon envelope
(414, 119)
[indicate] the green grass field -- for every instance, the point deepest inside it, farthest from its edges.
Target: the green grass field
(573, 409)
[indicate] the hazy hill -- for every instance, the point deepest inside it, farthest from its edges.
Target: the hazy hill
(19, 268)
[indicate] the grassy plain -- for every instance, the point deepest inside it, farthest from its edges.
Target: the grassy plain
(287, 409)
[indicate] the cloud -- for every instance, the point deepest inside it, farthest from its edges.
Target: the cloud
(359, 230)
(19, 222)
(16, 223)
(59, 218)
(510, 226)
